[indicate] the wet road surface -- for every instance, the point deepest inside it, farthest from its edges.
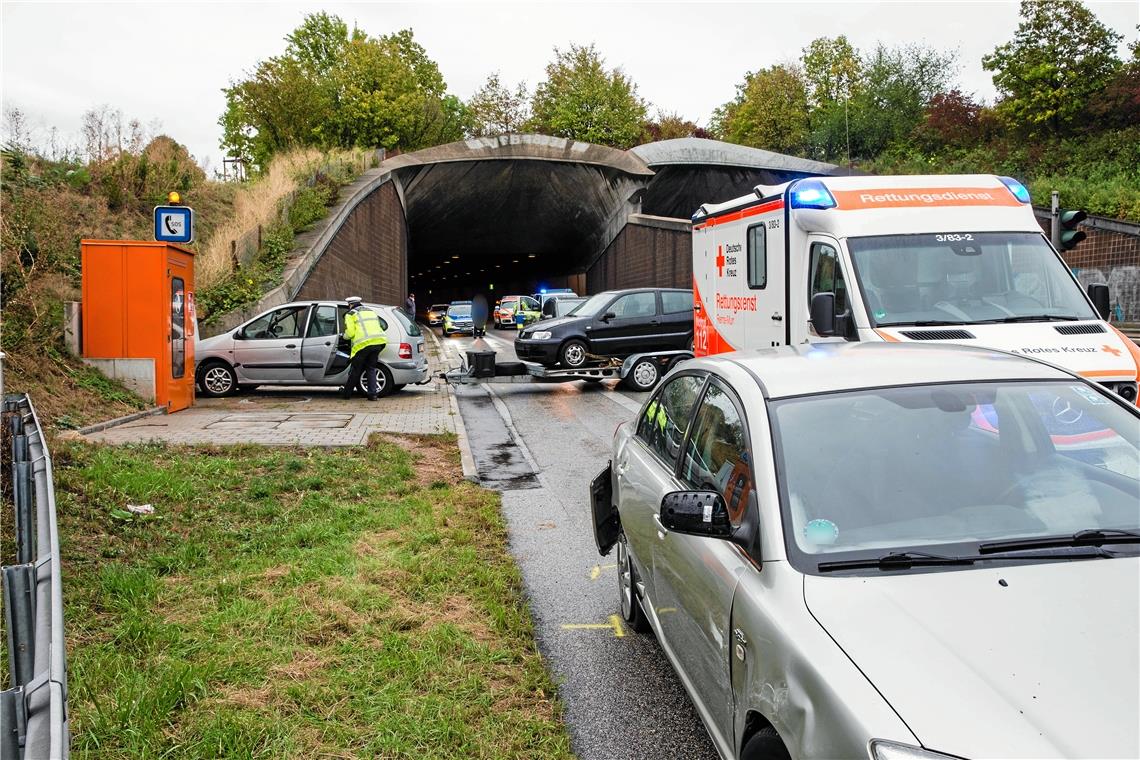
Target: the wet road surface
(540, 444)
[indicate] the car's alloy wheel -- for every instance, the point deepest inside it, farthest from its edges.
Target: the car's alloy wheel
(384, 384)
(631, 611)
(574, 354)
(217, 379)
(643, 376)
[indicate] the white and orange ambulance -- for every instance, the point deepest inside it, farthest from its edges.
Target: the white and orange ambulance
(957, 258)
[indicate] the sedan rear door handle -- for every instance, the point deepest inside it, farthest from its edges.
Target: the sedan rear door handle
(290, 345)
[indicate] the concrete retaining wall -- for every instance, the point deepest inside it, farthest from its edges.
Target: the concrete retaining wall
(377, 229)
(649, 251)
(136, 374)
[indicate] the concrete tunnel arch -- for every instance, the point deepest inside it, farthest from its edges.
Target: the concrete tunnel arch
(519, 212)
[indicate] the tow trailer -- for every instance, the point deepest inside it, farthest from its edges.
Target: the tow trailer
(640, 372)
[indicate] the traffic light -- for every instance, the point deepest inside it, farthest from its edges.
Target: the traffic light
(1070, 235)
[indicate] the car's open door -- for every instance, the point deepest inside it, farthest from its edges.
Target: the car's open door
(606, 521)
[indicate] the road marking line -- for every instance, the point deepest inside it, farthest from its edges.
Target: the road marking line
(663, 610)
(614, 625)
(596, 570)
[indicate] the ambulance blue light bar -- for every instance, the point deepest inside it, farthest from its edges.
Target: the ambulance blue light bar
(811, 193)
(1016, 188)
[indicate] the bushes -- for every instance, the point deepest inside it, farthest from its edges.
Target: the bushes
(1098, 173)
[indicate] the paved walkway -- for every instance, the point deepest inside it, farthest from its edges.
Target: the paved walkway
(301, 416)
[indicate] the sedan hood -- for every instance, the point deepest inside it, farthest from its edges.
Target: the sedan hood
(553, 324)
(222, 341)
(1044, 665)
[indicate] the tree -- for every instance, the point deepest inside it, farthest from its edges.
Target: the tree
(1060, 57)
(336, 88)
(770, 111)
(832, 71)
(896, 86)
(952, 119)
(670, 126)
(582, 100)
(496, 110)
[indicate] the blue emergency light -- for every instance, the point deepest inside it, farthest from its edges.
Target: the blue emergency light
(811, 193)
(1016, 188)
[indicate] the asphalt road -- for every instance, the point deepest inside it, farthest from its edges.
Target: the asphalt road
(541, 444)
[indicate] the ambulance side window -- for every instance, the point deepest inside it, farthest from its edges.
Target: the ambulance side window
(757, 257)
(826, 276)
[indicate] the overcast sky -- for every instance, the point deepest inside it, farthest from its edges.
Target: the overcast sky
(168, 62)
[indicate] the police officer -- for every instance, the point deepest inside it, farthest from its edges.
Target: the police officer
(364, 331)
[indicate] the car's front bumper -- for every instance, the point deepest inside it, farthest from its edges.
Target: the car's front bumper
(458, 329)
(541, 351)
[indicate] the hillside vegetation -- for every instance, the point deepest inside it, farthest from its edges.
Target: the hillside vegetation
(50, 205)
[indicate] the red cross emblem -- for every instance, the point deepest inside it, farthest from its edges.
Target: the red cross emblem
(1111, 350)
(719, 262)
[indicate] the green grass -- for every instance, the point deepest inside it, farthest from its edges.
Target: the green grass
(289, 603)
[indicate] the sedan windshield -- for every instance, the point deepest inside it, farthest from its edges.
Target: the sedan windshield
(947, 468)
(593, 305)
(964, 278)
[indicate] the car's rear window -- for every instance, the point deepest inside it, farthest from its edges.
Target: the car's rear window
(410, 327)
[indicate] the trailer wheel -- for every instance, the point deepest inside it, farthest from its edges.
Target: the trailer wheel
(643, 376)
(573, 354)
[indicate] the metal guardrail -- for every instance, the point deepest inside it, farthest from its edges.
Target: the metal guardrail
(33, 712)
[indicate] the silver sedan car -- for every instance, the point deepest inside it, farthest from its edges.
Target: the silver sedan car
(886, 551)
(299, 344)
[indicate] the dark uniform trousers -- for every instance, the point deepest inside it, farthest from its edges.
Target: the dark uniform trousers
(364, 361)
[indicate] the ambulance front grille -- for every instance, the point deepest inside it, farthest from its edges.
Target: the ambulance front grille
(938, 334)
(1089, 329)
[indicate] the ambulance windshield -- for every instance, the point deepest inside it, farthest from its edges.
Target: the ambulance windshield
(964, 278)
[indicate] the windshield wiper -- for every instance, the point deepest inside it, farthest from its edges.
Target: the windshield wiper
(1093, 537)
(923, 323)
(895, 561)
(1039, 318)
(907, 560)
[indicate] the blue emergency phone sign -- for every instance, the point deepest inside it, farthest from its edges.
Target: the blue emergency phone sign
(173, 224)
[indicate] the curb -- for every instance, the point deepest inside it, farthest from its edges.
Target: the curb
(100, 426)
(466, 460)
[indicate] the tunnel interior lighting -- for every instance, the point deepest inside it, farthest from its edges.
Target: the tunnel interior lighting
(531, 256)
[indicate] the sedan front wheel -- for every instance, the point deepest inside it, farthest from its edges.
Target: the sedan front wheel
(631, 612)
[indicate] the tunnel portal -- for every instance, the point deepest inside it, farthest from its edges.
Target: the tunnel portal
(518, 213)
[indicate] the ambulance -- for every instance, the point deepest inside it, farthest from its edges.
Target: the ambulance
(957, 258)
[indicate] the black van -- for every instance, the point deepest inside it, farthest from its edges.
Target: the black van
(614, 323)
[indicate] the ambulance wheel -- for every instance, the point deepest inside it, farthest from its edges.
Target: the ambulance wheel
(217, 379)
(643, 376)
(573, 354)
(385, 386)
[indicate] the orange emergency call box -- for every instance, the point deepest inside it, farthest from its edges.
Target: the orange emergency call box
(138, 303)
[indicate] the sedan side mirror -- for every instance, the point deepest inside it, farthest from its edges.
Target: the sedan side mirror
(823, 314)
(239, 334)
(696, 513)
(608, 316)
(1098, 294)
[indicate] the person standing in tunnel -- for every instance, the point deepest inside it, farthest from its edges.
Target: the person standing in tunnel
(410, 306)
(479, 316)
(365, 332)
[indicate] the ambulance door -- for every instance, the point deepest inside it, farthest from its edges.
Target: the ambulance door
(762, 274)
(825, 274)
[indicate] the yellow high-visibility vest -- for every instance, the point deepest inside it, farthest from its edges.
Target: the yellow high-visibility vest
(363, 328)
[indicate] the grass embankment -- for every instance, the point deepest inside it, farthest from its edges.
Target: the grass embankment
(295, 603)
